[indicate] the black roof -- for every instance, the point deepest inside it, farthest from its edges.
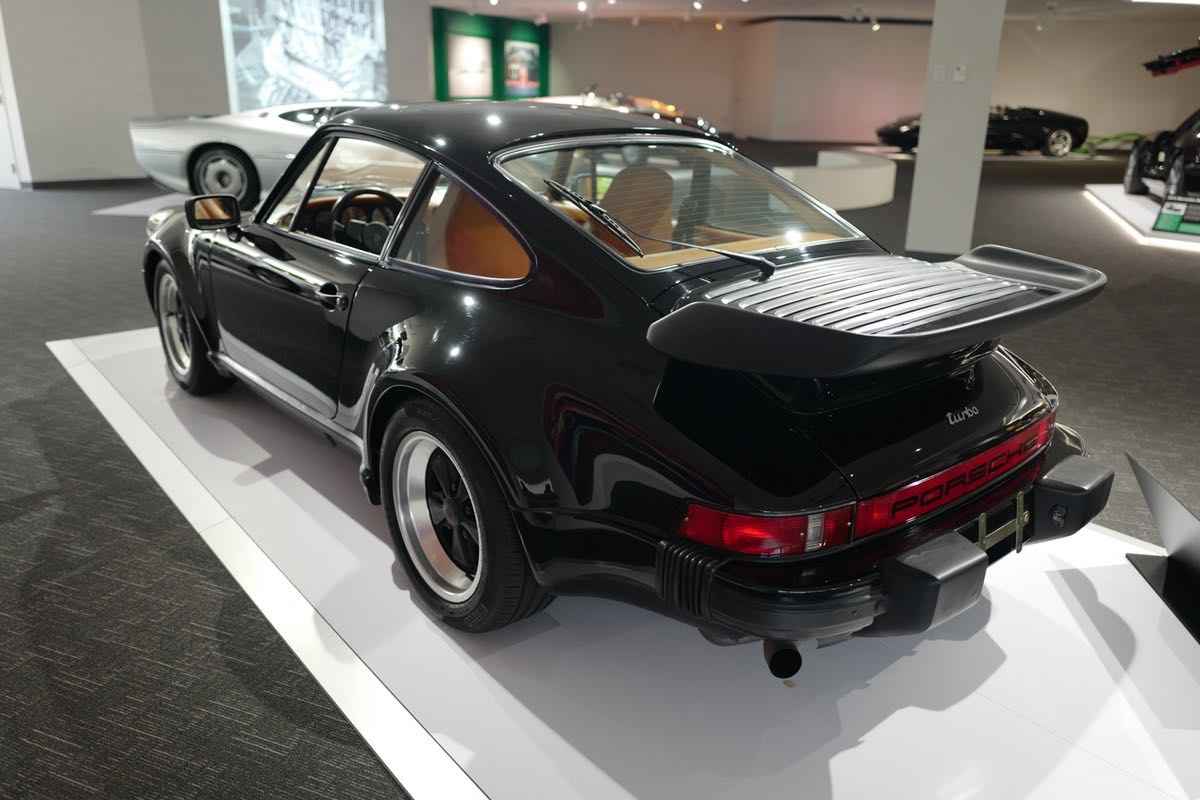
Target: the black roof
(466, 133)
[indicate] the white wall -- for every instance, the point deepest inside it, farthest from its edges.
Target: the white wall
(79, 74)
(691, 65)
(185, 56)
(409, 49)
(837, 83)
(833, 82)
(1094, 70)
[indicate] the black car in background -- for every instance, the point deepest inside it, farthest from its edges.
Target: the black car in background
(1172, 157)
(1010, 128)
(582, 354)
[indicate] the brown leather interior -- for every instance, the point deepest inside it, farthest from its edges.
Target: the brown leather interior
(466, 237)
(640, 197)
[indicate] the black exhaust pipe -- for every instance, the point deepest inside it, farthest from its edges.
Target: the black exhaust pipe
(783, 659)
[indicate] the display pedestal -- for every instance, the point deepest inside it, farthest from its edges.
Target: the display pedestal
(1177, 587)
(1068, 679)
(1175, 576)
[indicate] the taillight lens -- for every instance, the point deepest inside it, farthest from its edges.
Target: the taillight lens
(767, 536)
(803, 533)
(938, 491)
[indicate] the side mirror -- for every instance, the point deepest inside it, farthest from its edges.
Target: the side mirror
(212, 212)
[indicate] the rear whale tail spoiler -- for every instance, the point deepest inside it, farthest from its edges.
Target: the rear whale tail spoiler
(852, 315)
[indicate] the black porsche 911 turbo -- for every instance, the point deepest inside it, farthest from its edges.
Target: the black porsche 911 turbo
(582, 354)
(1169, 160)
(1010, 128)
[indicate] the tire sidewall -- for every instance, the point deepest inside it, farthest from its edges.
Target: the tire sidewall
(1133, 172)
(500, 540)
(186, 380)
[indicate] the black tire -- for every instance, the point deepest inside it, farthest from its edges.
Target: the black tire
(1058, 143)
(1132, 181)
(1174, 180)
(195, 374)
(505, 590)
(224, 170)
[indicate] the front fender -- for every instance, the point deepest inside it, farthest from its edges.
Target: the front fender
(186, 253)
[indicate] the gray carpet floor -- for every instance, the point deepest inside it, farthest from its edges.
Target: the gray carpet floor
(131, 665)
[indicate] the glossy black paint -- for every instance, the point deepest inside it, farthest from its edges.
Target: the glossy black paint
(1009, 128)
(1155, 156)
(597, 439)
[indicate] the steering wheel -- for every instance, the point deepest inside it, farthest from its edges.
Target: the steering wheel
(360, 233)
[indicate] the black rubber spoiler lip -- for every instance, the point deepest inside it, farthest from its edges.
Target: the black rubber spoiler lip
(715, 334)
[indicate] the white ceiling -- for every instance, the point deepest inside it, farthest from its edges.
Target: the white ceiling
(565, 10)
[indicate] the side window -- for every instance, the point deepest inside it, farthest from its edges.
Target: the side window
(285, 210)
(358, 194)
(456, 232)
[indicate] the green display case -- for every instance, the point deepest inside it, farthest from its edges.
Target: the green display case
(479, 57)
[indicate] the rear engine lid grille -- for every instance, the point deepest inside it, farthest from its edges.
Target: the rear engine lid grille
(876, 295)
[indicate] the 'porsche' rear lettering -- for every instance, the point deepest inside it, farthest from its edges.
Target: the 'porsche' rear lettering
(959, 480)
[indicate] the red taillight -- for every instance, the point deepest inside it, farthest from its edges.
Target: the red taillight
(937, 491)
(802, 533)
(767, 536)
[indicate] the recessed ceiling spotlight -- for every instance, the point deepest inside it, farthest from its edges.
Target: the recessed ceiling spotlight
(582, 6)
(875, 24)
(612, 2)
(720, 25)
(696, 4)
(493, 2)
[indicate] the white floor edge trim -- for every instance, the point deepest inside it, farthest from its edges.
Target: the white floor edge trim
(1168, 241)
(405, 747)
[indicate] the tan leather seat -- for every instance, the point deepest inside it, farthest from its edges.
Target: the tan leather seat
(465, 236)
(640, 197)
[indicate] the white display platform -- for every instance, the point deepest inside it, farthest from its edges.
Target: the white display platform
(1136, 214)
(846, 180)
(1070, 679)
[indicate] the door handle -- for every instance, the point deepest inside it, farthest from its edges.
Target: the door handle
(331, 297)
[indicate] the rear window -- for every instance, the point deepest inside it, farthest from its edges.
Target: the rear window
(668, 196)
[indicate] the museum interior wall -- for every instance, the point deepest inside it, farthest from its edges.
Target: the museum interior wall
(121, 59)
(690, 65)
(790, 80)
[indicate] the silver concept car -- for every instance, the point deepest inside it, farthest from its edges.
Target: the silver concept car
(234, 154)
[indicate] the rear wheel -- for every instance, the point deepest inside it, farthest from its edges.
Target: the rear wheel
(183, 344)
(1058, 143)
(1133, 172)
(223, 170)
(453, 529)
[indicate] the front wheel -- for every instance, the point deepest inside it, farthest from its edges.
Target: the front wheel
(183, 344)
(1174, 183)
(1133, 182)
(1058, 143)
(453, 529)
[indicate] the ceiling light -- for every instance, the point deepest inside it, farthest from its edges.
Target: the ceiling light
(582, 6)
(720, 25)
(612, 2)
(493, 2)
(696, 4)
(875, 24)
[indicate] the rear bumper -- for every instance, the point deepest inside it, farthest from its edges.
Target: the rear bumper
(940, 575)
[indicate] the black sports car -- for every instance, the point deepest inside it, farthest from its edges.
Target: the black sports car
(583, 354)
(1010, 128)
(1170, 160)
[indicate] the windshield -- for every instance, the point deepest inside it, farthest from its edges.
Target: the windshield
(693, 194)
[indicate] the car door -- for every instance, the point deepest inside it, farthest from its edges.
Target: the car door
(284, 284)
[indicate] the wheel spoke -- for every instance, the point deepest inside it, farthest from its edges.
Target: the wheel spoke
(471, 529)
(441, 473)
(437, 509)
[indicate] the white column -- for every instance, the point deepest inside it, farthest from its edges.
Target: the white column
(409, 28)
(958, 90)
